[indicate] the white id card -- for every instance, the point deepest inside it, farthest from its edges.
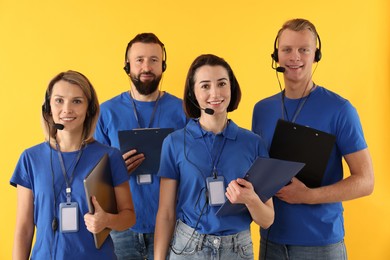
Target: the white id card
(69, 217)
(144, 179)
(216, 190)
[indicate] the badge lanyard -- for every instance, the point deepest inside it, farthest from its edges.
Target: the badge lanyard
(299, 106)
(68, 181)
(153, 113)
(144, 178)
(214, 161)
(215, 184)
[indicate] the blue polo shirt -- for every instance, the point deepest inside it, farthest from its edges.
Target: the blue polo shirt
(39, 169)
(118, 114)
(187, 156)
(319, 224)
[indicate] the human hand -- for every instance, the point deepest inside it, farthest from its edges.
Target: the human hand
(240, 191)
(98, 221)
(294, 193)
(133, 160)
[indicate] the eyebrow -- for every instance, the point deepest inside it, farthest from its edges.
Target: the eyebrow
(144, 56)
(221, 79)
(57, 95)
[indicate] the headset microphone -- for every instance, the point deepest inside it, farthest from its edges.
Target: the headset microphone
(207, 110)
(280, 69)
(58, 126)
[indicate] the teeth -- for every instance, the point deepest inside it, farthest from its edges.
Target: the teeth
(67, 118)
(215, 102)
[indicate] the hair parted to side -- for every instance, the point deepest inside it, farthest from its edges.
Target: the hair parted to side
(189, 99)
(93, 110)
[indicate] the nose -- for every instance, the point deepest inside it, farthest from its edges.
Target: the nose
(295, 55)
(68, 107)
(146, 66)
(214, 91)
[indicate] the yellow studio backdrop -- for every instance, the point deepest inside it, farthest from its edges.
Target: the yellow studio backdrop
(41, 38)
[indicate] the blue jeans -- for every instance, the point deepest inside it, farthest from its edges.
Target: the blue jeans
(272, 251)
(133, 246)
(189, 244)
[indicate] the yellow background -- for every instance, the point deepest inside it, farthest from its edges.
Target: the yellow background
(41, 38)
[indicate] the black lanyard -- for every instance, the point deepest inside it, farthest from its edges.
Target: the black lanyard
(75, 162)
(214, 161)
(153, 113)
(299, 106)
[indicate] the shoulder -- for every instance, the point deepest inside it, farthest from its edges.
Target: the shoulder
(99, 147)
(167, 97)
(329, 96)
(249, 135)
(114, 101)
(268, 100)
(242, 132)
(37, 149)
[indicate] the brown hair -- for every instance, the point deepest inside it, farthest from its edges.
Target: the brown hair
(93, 110)
(190, 104)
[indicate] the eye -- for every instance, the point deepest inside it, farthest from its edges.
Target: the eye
(286, 50)
(77, 101)
(58, 100)
(155, 60)
(205, 86)
(222, 83)
(304, 50)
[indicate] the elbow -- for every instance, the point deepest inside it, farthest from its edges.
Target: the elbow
(267, 225)
(369, 187)
(130, 219)
(268, 222)
(133, 218)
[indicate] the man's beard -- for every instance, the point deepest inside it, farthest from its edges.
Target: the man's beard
(145, 88)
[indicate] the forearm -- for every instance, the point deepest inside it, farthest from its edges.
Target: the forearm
(350, 188)
(22, 244)
(121, 221)
(162, 236)
(261, 213)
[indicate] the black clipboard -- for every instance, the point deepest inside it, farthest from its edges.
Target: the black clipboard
(267, 176)
(147, 141)
(98, 183)
(300, 143)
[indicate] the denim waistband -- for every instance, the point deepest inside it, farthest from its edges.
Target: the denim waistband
(229, 241)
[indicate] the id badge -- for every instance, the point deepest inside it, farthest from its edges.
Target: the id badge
(144, 179)
(69, 217)
(216, 190)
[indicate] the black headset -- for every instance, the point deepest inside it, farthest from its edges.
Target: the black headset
(317, 55)
(164, 61)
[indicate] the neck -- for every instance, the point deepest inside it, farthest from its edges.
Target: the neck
(298, 90)
(213, 123)
(68, 142)
(146, 98)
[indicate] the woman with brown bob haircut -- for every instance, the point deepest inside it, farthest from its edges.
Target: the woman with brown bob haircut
(201, 166)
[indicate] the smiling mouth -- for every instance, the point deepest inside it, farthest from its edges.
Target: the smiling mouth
(215, 102)
(294, 67)
(67, 119)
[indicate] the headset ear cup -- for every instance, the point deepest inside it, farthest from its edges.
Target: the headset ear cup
(127, 68)
(274, 55)
(46, 105)
(164, 66)
(317, 55)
